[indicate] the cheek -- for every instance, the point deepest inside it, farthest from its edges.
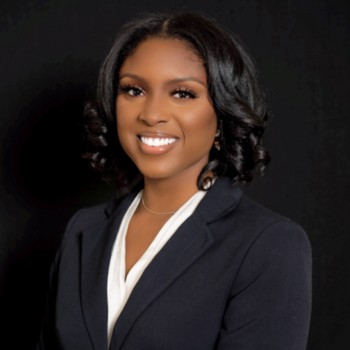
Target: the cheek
(126, 114)
(124, 122)
(200, 126)
(122, 113)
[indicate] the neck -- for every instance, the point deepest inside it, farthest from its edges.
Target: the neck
(168, 195)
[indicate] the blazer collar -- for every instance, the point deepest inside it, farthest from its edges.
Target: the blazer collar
(190, 241)
(220, 199)
(113, 206)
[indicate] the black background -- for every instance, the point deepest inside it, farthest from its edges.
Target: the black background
(50, 55)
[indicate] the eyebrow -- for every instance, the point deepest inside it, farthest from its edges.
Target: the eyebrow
(170, 82)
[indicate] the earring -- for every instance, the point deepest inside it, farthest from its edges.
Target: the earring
(216, 141)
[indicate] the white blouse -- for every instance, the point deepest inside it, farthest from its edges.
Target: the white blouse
(119, 289)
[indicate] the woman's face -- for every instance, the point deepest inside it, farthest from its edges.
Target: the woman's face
(166, 123)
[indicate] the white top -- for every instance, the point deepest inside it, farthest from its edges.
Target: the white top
(119, 290)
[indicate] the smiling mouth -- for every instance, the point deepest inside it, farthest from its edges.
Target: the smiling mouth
(156, 145)
(156, 142)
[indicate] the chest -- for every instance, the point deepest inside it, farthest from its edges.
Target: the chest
(141, 232)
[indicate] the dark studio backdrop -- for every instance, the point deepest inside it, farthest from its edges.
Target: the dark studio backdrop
(50, 55)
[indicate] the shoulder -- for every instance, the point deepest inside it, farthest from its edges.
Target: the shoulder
(265, 222)
(273, 239)
(91, 216)
(255, 232)
(274, 254)
(248, 209)
(238, 221)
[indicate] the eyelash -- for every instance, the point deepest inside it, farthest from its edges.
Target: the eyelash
(189, 93)
(124, 89)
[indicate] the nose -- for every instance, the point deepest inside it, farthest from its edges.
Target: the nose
(155, 111)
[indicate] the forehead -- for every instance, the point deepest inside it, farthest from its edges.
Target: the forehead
(164, 58)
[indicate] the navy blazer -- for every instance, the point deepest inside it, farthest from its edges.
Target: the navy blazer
(233, 276)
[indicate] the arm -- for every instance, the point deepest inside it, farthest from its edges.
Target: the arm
(270, 301)
(47, 339)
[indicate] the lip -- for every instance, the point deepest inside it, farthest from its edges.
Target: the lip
(156, 150)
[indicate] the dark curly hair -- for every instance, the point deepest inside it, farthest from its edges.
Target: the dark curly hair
(233, 88)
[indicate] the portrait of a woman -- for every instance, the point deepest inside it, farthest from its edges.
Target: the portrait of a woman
(182, 259)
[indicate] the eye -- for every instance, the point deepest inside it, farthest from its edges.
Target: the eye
(130, 90)
(184, 93)
(134, 91)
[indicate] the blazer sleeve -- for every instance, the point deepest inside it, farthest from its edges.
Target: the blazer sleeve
(47, 339)
(270, 301)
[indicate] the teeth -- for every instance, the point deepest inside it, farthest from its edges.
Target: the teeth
(155, 142)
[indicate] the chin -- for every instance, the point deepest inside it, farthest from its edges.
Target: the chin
(156, 175)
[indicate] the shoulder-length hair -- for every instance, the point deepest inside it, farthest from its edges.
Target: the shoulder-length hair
(233, 88)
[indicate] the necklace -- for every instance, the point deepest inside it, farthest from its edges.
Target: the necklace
(153, 212)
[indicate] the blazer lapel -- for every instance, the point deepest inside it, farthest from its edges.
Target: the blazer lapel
(189, 242)
(97, 244)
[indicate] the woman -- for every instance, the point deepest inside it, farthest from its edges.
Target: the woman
(185, 260)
